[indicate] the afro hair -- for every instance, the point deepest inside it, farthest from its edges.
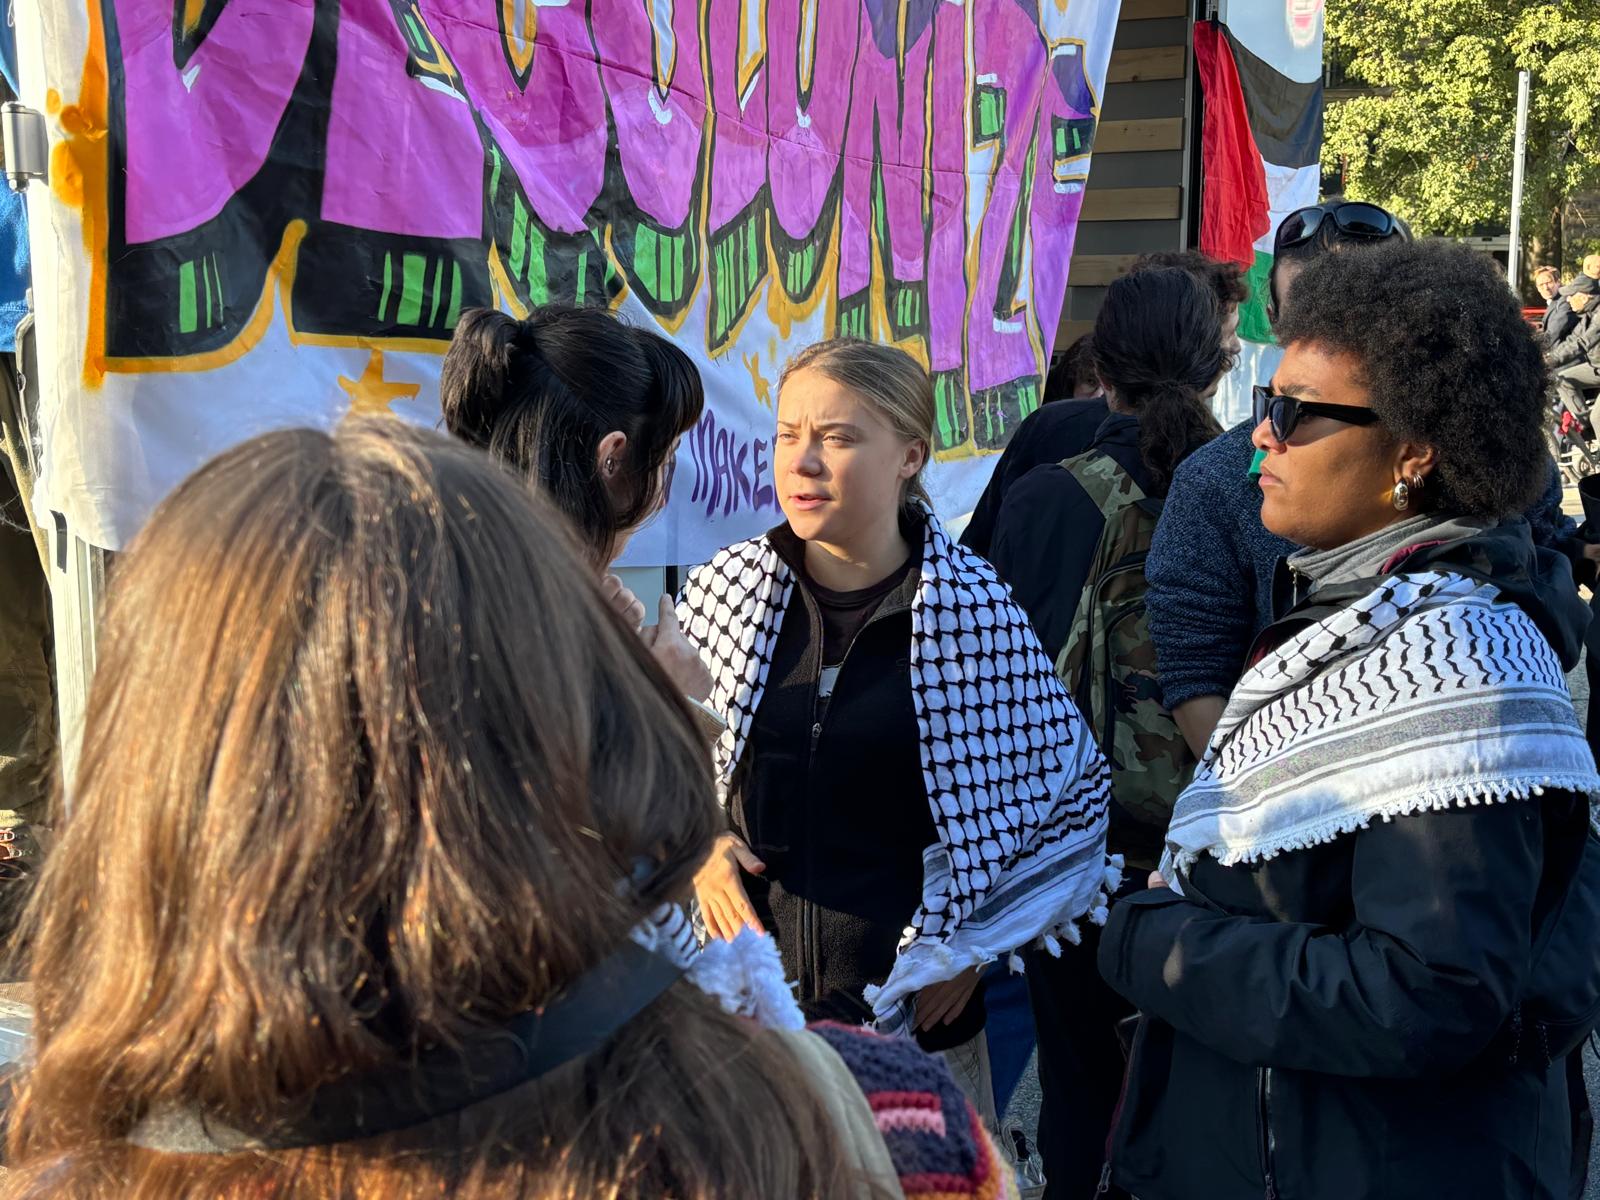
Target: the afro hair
(1447, 358)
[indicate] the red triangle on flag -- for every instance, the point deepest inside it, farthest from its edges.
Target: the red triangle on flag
(1233, 189)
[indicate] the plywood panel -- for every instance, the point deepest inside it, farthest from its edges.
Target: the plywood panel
(1097, 270)
(1070, 331)
(1126, 137)
(1144, 101)
(1132, 204)
(1134, 66)
(1148, 10)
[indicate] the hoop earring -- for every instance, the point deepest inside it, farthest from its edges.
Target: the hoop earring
(1400, 497)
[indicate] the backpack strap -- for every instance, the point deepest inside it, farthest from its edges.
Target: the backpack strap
(1107, 484)
(1113, 491)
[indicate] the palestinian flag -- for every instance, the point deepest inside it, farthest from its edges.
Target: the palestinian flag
(1261, 81)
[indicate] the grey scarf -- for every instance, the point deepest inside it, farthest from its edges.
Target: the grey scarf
(1366, 556)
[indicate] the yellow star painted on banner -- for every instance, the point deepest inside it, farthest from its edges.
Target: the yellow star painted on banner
(758, 381)
(372, 393)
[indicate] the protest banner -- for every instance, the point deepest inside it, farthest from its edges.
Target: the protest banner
(272, 212)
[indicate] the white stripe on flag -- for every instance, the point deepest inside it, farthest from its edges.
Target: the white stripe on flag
(1288, 188)
(1257, 362)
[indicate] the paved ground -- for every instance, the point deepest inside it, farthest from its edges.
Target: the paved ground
(1025, 1103)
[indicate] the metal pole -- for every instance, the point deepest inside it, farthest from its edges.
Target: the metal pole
(1514, 257)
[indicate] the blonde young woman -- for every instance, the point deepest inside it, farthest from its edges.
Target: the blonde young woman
(910, 792)
(370, 882)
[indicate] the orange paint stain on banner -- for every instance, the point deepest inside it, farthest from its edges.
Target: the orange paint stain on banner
(79, 171)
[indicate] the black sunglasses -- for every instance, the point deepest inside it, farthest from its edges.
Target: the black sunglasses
(1285, 411)
(1355, 220)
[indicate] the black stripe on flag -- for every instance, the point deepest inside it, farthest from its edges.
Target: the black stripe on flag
(1285, 116)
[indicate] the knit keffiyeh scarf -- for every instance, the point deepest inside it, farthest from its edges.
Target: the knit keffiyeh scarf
(1016, 785)
(1427, 692)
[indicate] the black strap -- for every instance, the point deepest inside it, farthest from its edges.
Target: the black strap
(442, 1080)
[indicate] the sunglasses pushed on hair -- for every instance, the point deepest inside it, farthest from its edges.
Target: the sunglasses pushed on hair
(1285, 411)
(1356, 220)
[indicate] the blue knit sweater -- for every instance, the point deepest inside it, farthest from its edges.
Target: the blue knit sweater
(1212, 563)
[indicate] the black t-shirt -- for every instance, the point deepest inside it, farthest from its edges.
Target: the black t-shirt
(845, 613)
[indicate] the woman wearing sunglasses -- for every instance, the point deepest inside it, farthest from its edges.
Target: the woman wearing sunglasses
(1370, 942)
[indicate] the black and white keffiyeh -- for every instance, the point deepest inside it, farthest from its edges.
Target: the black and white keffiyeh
(1016, 784)
(1427, 692)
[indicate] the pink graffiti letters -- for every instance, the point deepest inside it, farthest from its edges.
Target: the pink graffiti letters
(916, 164)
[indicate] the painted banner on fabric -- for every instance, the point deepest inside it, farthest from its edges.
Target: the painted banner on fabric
(282, 206)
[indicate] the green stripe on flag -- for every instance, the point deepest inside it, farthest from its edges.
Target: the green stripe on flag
(1253, 323)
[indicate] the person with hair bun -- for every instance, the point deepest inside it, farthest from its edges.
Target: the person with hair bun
(1369, 951)
(1158, 351)
(591, 411)
(911, 792)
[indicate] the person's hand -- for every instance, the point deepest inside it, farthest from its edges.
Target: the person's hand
(942, 1003)
(625, 603)
(1591, 551)
(723, 901)
(1156, 879)
(676, 654)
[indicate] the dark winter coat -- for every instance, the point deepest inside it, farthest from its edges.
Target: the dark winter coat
(1558, 319)
(1058, 430)
(837, 809)
(1045, 537)
(1582, 345)
(1358, 1020)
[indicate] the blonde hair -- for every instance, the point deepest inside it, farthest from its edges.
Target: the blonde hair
(891, 381)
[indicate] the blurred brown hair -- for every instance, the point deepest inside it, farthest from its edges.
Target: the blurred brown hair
(365, 761)
(1226, 280)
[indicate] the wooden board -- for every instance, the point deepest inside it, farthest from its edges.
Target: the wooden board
(1097, 270)
(1136, 66)
(1132, 204)
(1125, 137)
(1070, 331)
(1148, 10)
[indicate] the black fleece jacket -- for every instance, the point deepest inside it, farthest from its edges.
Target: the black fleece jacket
(836, 807)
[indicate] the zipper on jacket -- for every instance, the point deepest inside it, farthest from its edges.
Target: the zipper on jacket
(1268, 1144)
(808, 914)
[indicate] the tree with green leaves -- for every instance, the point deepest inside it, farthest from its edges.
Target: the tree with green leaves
(1433, 137)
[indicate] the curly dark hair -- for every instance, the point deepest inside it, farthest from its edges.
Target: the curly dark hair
(1447, 358)
(1072, 366)
(1225, 279)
